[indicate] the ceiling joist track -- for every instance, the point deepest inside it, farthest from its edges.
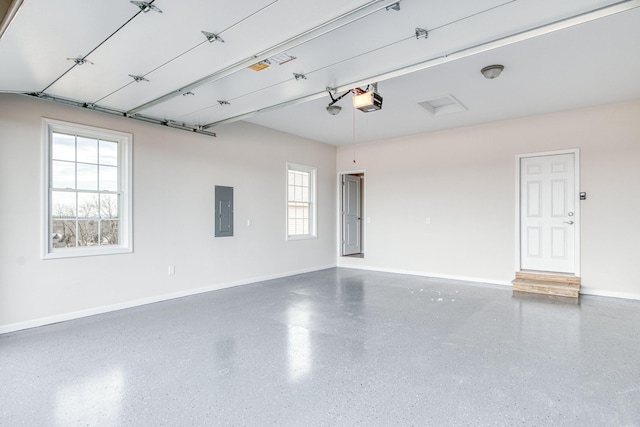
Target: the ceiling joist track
(311, 34)
(168, 123)
(144, 8)
(81, 60)
(209, 38)
(452, 56)
(365, 41)
(419, 33)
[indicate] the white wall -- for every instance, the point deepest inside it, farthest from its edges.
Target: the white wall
(464, 180)
(174, 175)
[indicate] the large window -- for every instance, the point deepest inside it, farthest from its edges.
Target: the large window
(87, 182)
(301, 201)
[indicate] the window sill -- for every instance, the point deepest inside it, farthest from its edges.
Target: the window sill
(76, 253)
(302, 237)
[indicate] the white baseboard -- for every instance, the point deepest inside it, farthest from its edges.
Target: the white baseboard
(427, 274)
(601, 293)
(583, 290)
(13, 327)
(42, 321)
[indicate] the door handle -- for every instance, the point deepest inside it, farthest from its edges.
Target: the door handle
(569, 222)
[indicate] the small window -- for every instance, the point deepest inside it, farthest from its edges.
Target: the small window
(87, 182)
(301, 201)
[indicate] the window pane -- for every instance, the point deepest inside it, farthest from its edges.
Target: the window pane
(300, 193)
(108, 178)
(109, 232)
(63, 174)
(108, 153)
(87, 232)
(88, 205)
(63, 204)
(88, 190)
(63, 234)
(87, 150)
(109, 206)
(87, 177)
(63, 147)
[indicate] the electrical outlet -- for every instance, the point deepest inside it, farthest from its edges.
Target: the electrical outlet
(428, 220)
(172, 270)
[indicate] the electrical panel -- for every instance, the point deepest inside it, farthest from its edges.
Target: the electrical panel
(224, 211)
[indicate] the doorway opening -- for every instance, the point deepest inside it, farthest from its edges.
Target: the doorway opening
(549, 212)
(548, 223)
(352, 214)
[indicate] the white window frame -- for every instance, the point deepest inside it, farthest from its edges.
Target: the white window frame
(125, 188)
(312, 197)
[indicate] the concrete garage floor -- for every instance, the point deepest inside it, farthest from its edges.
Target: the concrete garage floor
(334, 347)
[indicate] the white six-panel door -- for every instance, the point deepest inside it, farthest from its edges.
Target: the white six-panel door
(548, 213)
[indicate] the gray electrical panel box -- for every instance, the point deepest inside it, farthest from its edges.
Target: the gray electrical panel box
(224, 211)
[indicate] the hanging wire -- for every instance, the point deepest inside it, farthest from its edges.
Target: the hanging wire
(354, 134)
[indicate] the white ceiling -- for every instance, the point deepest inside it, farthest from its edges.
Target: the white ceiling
(586, 58)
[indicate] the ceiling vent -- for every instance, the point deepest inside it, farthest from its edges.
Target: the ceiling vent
(442, 105)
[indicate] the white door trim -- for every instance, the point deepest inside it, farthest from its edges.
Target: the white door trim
(339, 210)
(576, 153)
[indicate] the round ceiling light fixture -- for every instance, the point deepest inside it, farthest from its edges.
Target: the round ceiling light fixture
(492, 71)
(334, 109)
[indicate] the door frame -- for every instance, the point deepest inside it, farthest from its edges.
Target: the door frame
(363, 209)
(577, 216)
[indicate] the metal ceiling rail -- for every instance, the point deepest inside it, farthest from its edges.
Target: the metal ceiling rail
(453, 56)
(81, 60)
(313, 33)
(209, 37)
(152, 120)
(361, 54)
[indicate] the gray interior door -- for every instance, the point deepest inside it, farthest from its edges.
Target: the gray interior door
(351, 215)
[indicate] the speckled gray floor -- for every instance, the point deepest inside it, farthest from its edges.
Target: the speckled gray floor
(335, 347)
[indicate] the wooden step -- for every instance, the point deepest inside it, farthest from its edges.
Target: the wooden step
(571, 290)
(548, 277)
